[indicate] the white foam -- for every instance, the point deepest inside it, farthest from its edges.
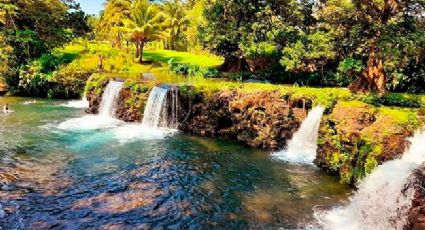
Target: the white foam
(133, 132)
(379, 204)
(78, 104)
(90, 122)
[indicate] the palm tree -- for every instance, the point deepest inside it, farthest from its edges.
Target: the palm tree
(176, 21)
(112, 20)
(145, 24)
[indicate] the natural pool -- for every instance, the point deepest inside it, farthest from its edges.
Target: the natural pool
(118, 177)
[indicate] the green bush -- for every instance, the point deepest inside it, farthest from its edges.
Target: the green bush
(95, 83)
(393, 99)
(32, 84)
(212, 73)
(69, 82)
(187, 69)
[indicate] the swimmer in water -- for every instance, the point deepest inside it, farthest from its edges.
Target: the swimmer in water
(6, 109)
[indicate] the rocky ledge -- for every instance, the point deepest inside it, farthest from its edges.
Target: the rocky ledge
(261, 119)
(416, 215)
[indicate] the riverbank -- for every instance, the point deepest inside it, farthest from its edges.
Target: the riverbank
(355, 134)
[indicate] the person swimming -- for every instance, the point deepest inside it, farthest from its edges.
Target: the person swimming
(6, 109)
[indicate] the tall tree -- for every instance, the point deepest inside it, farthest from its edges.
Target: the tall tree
(376, 31)
(177, 21)
(112, 20)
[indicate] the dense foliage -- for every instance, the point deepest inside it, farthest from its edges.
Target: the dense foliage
(376, 45)
(32, 28)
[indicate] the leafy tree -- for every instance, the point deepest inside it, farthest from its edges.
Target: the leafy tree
(78, 20)
(383, 33)
(236, 24)
(111, 25)
(30, 28)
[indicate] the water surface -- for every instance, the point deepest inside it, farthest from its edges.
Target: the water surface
(122, 177)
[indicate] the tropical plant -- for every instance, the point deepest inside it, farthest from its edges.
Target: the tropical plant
(112, 21)
(176, 21)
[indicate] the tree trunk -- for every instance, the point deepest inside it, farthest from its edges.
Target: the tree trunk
(142, 46)
(137, 49)
(373, 78)
(234, 64)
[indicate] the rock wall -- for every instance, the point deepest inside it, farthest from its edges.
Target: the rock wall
(258, 119)
(264, 119)
(355, 138)
(132, 101)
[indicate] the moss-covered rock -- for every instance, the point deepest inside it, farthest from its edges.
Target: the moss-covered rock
(356, 137)
(94, 89)
(132, 100)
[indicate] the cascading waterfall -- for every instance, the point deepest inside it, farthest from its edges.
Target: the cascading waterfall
(380, 203)
(172, 118)
(303, 146)
(110, 99)
(107, 110)
(161, 108)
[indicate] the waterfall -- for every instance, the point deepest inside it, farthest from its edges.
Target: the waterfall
(161, 108)
(172, 118)
(110, 99)
(303, 146)
(379, 203)
(105, 119)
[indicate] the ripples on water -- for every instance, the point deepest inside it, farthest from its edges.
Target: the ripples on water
(122, 177)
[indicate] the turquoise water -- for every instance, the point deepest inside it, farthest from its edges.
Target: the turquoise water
(123, 177)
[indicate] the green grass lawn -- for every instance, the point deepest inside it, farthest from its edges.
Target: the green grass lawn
(124, 64)
(185, 57)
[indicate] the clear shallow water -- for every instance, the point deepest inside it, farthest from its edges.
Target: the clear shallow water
(122, 177)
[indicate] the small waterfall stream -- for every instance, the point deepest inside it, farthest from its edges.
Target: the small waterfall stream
(380, 204)
(107, 110)
(110, 99)
(303, 146)
(161, 108)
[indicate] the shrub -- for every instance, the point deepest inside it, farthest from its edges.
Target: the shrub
(393, 99)
(32, 83)
(69, 82)
(212, 73)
